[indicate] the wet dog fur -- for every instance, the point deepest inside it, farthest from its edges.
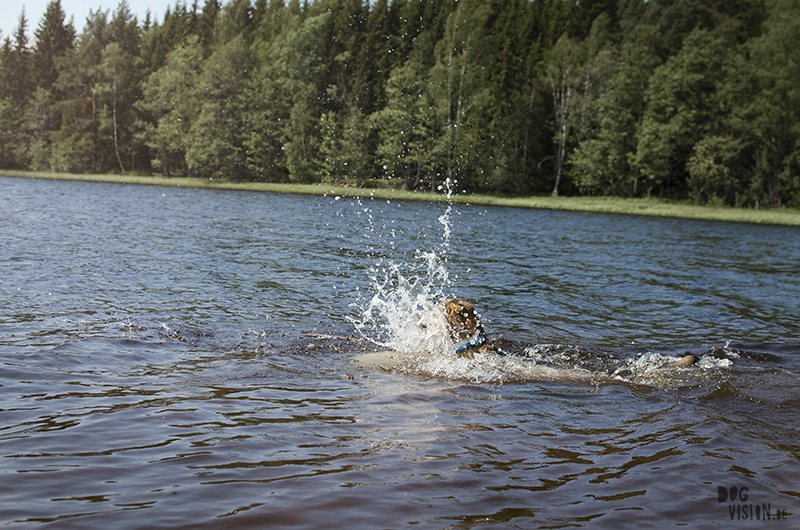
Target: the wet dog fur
(465, 328)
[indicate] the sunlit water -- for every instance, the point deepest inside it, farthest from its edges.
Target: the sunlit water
(177, 358)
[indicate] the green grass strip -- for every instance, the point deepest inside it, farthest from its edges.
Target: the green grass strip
(618, 205)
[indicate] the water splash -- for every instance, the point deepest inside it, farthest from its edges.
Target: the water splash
(444, 219)
(402, 313)
(405, 312)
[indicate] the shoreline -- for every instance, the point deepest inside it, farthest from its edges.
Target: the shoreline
(616, 205)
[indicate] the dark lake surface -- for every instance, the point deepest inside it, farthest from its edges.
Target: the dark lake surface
(182, 358)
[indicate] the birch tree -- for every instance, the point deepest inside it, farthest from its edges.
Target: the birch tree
(118, 69)
(563, 77)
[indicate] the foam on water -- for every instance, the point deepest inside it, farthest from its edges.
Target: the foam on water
(645, 364)
(490, 367)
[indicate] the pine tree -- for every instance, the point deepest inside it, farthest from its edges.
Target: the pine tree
(19, 65)
(207, 24)
(16, 90)
(53, 38)
(374, 60)
(75, 143)
(235, 19)
(601, 164)
(766, 113)
(408, 127)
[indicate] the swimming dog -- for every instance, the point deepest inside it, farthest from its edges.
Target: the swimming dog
(468, 336)
(455, 324)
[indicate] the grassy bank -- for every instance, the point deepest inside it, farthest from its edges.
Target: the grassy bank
(655, 207)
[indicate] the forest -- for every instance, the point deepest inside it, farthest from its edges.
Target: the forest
(694, 100)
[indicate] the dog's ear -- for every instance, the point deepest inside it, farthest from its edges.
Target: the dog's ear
(451, 306)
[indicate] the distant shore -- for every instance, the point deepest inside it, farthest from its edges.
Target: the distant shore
(618, 205)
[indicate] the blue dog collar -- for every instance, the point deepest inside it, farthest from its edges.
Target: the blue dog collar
(474, 342)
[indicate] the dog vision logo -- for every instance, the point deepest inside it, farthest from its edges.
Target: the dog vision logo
(741, 507)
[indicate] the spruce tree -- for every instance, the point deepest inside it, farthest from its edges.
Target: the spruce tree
(53, 38)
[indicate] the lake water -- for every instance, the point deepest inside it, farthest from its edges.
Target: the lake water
(181, 358)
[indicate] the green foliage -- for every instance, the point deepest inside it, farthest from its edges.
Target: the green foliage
(681, 107)
(682, 99)
(171, 101)
(117, 92)
(458, 87)
(713, 170)
(9, 124)
(342, 150)
(290, 65)
(768, 115)
(17, 67)
(216, 144)
(53, 38)
(34, 150)
(408, 127)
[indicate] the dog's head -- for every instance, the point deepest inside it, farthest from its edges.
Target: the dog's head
(458, 319)
(462, 322)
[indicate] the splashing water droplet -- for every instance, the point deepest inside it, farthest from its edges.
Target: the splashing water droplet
(405, 312)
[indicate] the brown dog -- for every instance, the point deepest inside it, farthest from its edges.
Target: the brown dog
(465, 328)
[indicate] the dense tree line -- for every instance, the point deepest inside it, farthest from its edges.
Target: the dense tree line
(694, 99)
